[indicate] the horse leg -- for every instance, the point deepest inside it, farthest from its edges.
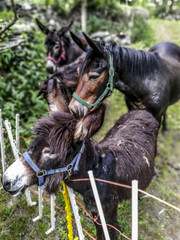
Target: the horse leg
(112, 224)
(110, 209)
(164, 124)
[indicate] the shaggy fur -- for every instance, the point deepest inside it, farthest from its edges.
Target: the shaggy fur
(126, 153)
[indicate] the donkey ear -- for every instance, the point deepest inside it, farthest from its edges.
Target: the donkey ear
(95, 45)
(42, 27)
(55, 98)
(63, 30)
(90, 123)
(79, 41)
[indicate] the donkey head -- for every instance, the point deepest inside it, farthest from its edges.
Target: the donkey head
(55, 44)
(58, 140)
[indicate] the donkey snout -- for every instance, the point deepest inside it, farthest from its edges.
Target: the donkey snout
(50, 67)
(6, 182)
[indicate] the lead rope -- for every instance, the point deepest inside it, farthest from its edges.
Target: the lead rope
(68, 212)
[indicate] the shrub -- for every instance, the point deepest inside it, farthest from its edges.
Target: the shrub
(142, 32)
(22, 70)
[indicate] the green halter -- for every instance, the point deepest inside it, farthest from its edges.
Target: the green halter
(107, 92)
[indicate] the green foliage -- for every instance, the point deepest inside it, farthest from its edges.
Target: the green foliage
(142, 32)
(96, 23)
(22, 72)
(159, 11)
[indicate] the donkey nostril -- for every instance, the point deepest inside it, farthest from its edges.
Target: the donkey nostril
(50, 69)
(7, 185)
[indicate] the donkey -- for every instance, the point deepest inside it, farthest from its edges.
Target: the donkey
(66, 78)
(56, 153)
(149, 80)
(60, 49)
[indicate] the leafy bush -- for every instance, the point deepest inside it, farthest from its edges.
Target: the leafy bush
(96, 23)
(22, 70)
(142, 32)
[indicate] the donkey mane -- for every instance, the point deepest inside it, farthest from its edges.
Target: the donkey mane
(59, 127)
(137, 62)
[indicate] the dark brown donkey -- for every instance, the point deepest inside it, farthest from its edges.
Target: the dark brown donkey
(66, 78)
(149, 80)
(125, 154)
(60, 49)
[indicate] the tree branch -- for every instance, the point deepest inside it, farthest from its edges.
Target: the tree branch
(12, 22)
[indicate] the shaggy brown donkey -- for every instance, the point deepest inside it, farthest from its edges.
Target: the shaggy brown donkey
(126, 153)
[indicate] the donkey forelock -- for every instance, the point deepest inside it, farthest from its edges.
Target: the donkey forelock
(59, 127)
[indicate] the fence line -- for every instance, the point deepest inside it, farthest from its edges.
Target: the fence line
(85, 179)
(63, 211)
(129, 187)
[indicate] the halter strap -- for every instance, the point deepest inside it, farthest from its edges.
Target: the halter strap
(41, 173)
(108, 90)
(62, 56)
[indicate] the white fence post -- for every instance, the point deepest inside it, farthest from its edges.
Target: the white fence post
(17, 132)
(76, 214)
(40, 205)
(134, 210)
(98, 203)
(53, 219)
(12, 142)
(3, 156)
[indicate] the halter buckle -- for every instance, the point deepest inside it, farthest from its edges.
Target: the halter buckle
(41, 173)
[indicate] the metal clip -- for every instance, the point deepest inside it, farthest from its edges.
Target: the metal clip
(69, 171)
(41, 173)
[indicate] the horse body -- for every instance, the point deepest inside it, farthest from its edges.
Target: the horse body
(149, 80)
(144, 79)
(170, 54)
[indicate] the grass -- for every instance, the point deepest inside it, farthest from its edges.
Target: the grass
(156, 221)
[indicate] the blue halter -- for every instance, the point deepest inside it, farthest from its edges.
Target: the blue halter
(41, 173)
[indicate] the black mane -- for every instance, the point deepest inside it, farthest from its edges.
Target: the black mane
(137, 62)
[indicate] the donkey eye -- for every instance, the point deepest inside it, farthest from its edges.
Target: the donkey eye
(46, 150)
(56, 46)
(93, 76)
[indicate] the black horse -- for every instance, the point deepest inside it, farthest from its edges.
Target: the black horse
(150, 80)
(60, 49)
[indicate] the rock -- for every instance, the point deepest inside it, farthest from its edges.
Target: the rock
(121, 38)
(144, 13)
